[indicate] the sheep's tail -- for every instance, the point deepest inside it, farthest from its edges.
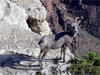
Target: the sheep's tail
(40, 41)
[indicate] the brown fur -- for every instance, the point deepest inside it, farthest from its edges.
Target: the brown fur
(60, 40)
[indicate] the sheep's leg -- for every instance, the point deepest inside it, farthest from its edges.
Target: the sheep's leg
(39, 58)
(44, 54)
(64, 54)
(73, 46)
(64, 51)
(40, 64)
(61, 54)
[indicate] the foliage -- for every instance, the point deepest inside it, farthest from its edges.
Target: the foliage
(88, 65)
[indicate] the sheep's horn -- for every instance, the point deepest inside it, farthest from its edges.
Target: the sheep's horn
(76, 20)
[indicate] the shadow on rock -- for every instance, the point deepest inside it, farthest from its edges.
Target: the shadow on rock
(19, 61)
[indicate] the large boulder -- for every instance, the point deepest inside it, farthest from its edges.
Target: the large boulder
(37, 12)
(15, 35)
(13, 14)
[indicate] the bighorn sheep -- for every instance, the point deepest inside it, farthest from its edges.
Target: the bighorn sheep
(59, 40)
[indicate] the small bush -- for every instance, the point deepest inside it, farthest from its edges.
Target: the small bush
(89, 64)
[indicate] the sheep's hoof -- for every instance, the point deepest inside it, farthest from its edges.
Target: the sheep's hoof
(41, 68)
(60, 58)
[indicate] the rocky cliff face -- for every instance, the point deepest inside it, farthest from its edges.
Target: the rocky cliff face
(63, 12)
(19, 47)
(56, 10)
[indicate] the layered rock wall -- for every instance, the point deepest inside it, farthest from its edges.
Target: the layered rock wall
(64, 12)
(89, 10)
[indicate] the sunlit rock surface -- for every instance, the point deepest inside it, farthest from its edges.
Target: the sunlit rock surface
(19, 47)
(37, 11)
(17, 40)
(13, 14)
(44, 28)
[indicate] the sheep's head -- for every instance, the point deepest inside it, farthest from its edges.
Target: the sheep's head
(76, 22)
(75, 25)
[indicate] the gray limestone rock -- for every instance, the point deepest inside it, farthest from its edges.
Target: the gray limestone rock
(19, 47)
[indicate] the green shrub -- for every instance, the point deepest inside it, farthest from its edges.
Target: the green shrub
(89, 64)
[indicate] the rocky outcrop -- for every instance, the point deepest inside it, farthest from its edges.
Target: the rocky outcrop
(65, 11)
(16, 40)
(13, 14)
(19, 64)
(58, 17)
(40, 27)
(93, 20)
(14, 27)
(37, 12)
(19, 47)
(75, 8)
(48, 6)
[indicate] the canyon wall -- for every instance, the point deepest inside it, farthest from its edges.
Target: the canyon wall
(63, 12)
